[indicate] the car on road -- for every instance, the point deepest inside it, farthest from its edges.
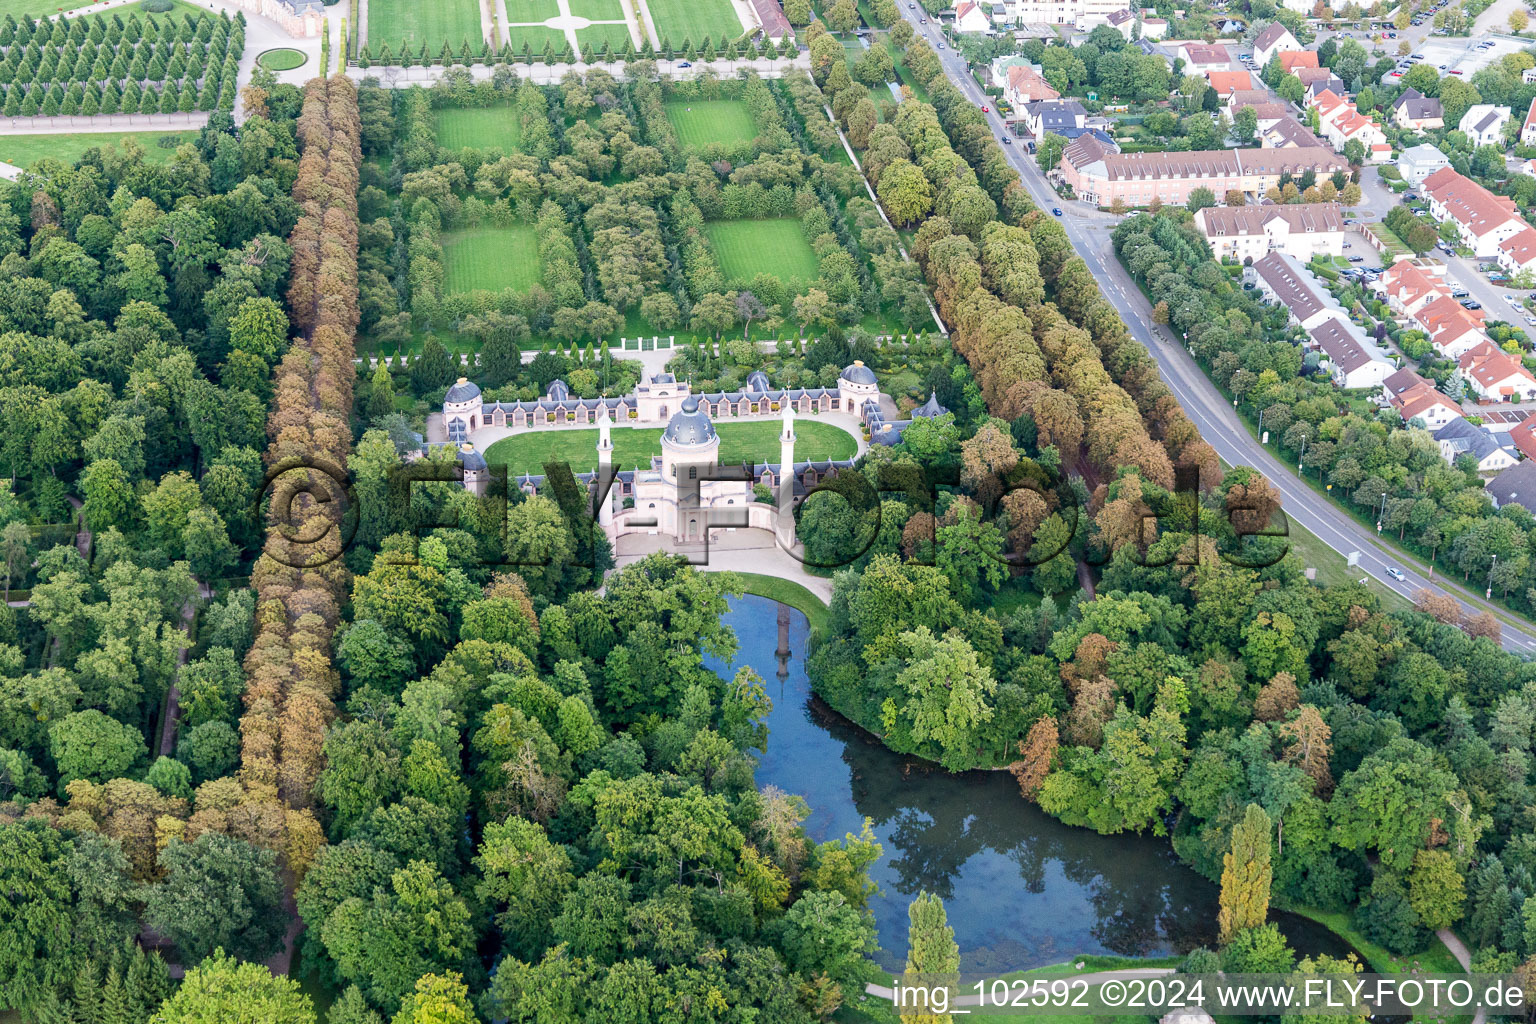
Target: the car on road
(1056, 210)
(941, 46)
(1007, 140)
(1531, 320)
(1397, 573)
(922, 21)
(984, 110)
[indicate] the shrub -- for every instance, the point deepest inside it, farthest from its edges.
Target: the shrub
(157, 6)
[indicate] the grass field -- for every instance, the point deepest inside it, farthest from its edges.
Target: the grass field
(535, 36)
(700, 122)
(38, 8)
(533, 10)
(282, 59)
(692, 20)
(596, 10)
(492, 258)
(433, 23)
(757, 441)
(480, 127)
(746, 248)
(24, 150)
(614, 35)
(786, 592)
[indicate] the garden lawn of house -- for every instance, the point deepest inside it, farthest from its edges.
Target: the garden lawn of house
(491, 258)
(701, 122)
(24, 150)
(693, 20)
(478, 127)
(432, 22)
(633, 447)
(746, 248)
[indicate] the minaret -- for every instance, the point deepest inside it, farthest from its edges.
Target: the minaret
(605, 477)
(787, 474)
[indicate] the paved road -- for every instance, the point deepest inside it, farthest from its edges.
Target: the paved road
(1089, 232)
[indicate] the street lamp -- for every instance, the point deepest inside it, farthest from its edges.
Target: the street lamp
(1382, 514)
(1488, 594)
(1303, 454)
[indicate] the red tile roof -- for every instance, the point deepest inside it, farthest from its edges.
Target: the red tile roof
(1468, 203)
(1290, 60)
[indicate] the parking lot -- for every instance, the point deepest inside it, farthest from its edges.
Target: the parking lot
(1461, 57)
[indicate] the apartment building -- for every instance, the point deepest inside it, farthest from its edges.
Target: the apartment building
(1100, 175)
(1483, 219)
(1253, 232)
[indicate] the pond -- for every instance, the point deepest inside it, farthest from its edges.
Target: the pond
(1021, 889)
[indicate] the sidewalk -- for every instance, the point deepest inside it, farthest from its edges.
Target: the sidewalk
(77, 125)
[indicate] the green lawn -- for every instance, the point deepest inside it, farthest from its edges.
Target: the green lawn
(415, 22)
(597, 10)
(491, 258)
(536, 36)
(38, 8)
(24, 150)
(692, 20)
(596, 35)
(756, 441)
(480, 127)
(701, 122)
(533, 10)
(282, 59)
(746, 248)
(786, 592)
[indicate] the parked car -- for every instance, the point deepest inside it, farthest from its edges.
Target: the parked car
(1457, 71)
(1397, 74)
(1357, 259)
(1531, 320)
(1471, 304)
(685, 64)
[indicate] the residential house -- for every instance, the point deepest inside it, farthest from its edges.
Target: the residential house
(1517, 253)
(1484, 124)
(1411, 284)
(1290, 60)
(1415, 111)
(1420, 162)
(1154, 28)
(1482, 219)
(1102, 176)
(1288, 133)
(1340, 123)
(1227, 82)
(1356, 361)
(1063, 117)
(1515, 486)
(972, 18)
(1528, 129)
(1318, 86)
(1300, 231)
(1025, 85)
(1416, 398)
(1202, 59)
(1124, 22)
(1528, 76)
(1452, 328)
(1458, 438)
(1283, 281)
(1275, 38)
(1523, 436)
(1080, 14)
(1266, 114)
(1306, 76)
(1495, 375)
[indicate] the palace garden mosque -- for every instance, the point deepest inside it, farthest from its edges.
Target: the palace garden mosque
(685, 492)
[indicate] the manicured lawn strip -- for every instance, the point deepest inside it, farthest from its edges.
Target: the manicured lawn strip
(700, 122)
(535, 36)
(534, 10)
(24, 150)
(692, 20)
(596, 35)
(38, 8)
(633, 447)
(746, 248)
(479, 127)
(595, 10)
(491, 258)
(432, 22)
(282, 59)
(786, 592)
(179, 10)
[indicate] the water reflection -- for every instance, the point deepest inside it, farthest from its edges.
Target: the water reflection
(1021, 888)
